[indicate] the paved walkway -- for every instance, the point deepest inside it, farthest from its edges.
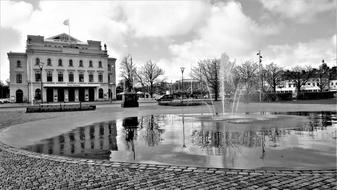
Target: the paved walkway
(21, 169)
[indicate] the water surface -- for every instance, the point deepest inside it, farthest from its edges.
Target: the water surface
(300, 140)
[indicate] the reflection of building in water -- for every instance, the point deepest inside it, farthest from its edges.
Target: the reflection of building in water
(93, 141)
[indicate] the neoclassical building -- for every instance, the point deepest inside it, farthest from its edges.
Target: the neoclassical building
(70, 71)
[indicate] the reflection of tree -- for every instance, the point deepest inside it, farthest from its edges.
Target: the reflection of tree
(317, 121)
(153, 131)
(229, 142)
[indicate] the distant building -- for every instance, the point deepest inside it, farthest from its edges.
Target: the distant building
(72, 71)
(313, 83)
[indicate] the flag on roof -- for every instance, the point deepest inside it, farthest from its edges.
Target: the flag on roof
(66, 22)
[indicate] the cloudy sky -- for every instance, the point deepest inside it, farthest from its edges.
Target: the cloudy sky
(179, 33)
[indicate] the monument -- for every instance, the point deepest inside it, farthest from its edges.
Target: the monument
(130, 99)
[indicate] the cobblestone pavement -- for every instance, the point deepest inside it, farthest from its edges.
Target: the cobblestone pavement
(21, 169)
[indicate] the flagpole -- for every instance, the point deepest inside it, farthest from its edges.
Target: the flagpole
(69, 31)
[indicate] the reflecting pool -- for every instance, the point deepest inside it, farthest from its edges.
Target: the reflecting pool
(303, 140)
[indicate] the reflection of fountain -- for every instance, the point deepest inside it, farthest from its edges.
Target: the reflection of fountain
(130, 125)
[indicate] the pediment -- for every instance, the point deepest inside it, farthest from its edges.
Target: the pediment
(63, 38)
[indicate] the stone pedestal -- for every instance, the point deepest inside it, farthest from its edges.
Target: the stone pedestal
(130, 100)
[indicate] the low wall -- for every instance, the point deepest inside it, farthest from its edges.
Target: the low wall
(60, 107)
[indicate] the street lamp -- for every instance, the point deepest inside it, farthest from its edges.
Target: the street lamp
(41, 67)
(260, 70)
(182, 80)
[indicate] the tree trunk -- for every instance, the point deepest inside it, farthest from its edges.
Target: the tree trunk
(151, 90)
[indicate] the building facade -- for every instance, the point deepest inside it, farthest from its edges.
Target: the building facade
(66, 69)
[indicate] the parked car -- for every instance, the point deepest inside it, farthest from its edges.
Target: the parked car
(166, 97)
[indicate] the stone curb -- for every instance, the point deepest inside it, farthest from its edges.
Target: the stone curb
(172, 168)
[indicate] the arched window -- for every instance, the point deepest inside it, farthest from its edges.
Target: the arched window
(37, 61)
(19, 78)
(49, 62)
(90, 63)
(100, 93)
(100, 64)
(60, 62)
(38, 94)
(18, 64)
(81, 63)
(70, 62)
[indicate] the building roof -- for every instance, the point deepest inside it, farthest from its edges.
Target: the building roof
(64, 38)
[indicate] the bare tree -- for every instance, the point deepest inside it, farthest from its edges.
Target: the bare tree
(299, 76)
(247, 74)
(149, 74)
(323, 73)
(273, 75)
(208, 71)
(128, 72)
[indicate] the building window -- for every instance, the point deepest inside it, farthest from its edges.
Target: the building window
(336, 83)
(90, 63)
(60, 77)
(37, 76)
(18, 78)
(309, 84)
(70, 62)
(38, 94)
(332, 84)
(37, 61)
(81, 63)
(91, 77)
(100, 64)
(71, 77)
(289, 85)
(313, 84)
(100, 93)
(49, 62)
(81, 77)
(60, 62)
(49, 76)
(100, 77)
(18, 64)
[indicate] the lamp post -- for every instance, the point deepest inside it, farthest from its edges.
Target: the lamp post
(182, 81)
(41, 67)
(260, 68)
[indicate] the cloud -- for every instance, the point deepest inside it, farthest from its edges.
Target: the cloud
(299, 10)
(90, 21)
(164, 18)
(228, 30)
(303, 54)
(14, 12)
